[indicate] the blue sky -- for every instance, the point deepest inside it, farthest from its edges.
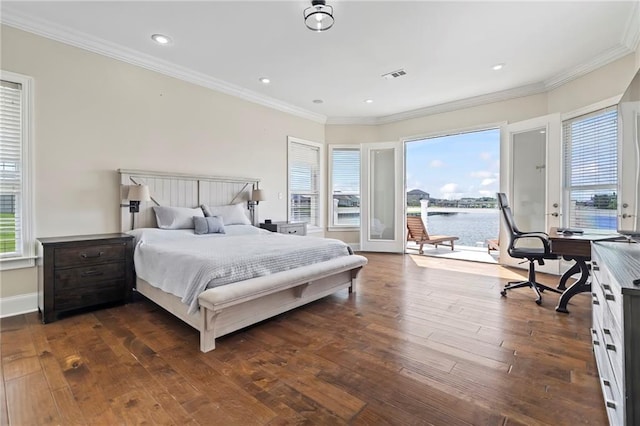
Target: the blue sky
(452, 167)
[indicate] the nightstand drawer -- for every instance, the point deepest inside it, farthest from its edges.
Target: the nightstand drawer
(293, 229)
(72, 278)
(88, 255)
(297, 228)
(108, 291)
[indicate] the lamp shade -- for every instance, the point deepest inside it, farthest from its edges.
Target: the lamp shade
(258, 195)
(318, 17)
(138, 193)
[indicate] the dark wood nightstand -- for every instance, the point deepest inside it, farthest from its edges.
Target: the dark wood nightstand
(298, 228)
(82, 271)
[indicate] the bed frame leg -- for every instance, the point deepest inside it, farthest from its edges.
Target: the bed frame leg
(207, 341)
(207, 329)
(354, 274)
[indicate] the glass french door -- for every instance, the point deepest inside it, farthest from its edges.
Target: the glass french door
(382, 197)
(530, 176)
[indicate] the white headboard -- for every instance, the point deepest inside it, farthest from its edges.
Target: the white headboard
(180, 190)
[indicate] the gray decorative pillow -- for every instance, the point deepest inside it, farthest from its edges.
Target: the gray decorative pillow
(208, 225)
(232, 214)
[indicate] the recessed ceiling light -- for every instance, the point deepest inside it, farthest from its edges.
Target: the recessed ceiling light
(497, 67)
(317, 101)
(543, 131)
(368, 101)
(161, 39)
(264, 80)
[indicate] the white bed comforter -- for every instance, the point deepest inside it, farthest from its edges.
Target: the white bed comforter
(185, 264)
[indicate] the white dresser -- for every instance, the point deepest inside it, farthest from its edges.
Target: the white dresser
(616, 327)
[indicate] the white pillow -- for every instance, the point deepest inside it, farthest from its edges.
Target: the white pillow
(176, 217)
(232, 214)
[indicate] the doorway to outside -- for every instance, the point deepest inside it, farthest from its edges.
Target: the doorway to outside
(451, 184)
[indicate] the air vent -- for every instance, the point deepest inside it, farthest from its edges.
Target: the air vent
(394, 74)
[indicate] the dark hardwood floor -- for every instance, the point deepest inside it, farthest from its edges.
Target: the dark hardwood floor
(423, 341)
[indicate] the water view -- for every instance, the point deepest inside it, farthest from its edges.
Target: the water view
(473, 228)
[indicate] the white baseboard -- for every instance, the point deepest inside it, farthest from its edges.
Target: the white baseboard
(16, 305)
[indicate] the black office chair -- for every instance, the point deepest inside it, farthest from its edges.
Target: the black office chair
(531, 254)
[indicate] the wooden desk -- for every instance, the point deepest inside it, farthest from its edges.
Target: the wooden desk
(576, 247)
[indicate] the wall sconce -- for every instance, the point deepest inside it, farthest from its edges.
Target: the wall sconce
(137, 193)
(257, 195)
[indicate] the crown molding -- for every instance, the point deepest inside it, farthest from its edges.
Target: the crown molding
(505, 95)
(631, 36)
(93, 44)
(586, 67)
(628, 44)
(518, 92)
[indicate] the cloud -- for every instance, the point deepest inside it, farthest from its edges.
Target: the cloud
(413, 182)
(449, 191)
(484, 193)
(485, 156)
(436, 164)
(482, 174)
(487, 182)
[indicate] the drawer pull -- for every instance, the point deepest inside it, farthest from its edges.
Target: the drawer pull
(606, 287)
(91, 256)
(92, 273)
(609, 346)
(610, 297)
(595, 299)
(611, 404)
(293, 232)
(595, 267)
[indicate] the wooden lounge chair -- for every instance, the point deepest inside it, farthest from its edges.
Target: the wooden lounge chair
(417, 233)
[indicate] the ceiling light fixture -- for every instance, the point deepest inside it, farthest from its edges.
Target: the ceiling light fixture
(161, 39)
(317, 101)
(368, 101)
(318, 17)
(264, 80)
(497, 67)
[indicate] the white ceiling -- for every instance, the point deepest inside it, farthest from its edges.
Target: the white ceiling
(447, 48)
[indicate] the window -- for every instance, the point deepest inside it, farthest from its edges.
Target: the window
(16, 245)
(305, 162)
(344, 203)
(591, 170)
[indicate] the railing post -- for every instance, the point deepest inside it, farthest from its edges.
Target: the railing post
(424, 206)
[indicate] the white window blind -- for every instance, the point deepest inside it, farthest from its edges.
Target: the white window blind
(345, 187)
(591, 170)
(304, 183)
(11, 162)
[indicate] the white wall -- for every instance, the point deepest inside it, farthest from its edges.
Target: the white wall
(94, 115)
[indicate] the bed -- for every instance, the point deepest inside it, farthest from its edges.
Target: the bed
(194, 277)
